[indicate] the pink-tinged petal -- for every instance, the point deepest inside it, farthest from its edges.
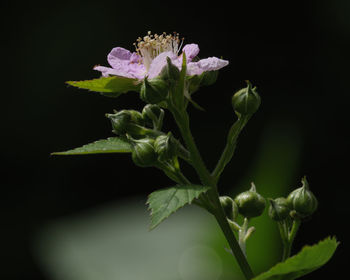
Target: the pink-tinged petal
(118, 56)
(191, 51)
(207, 64)
(107, 71)
(124, 63)
(159, 62)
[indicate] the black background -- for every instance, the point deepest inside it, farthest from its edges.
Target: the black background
(297, 55)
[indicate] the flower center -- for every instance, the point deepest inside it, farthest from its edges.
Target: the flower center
(150, 46)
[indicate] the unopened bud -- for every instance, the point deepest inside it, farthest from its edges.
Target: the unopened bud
(166, 147)
(302, 200)
(246, 101)
(278, 209)
(121, 120)
(143, 153)
(250, 203)
(153, 115)
(230, 207)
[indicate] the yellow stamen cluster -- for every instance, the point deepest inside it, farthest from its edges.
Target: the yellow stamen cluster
(150, 46)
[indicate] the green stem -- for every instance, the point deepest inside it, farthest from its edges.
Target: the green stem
(287, 248)
(230, 147)
(182, 121)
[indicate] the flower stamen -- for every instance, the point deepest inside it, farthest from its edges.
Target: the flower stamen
(150, 46)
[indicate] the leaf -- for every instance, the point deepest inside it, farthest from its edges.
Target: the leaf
(307, 260)
(109, 86)
(109, 145)
(164, 202)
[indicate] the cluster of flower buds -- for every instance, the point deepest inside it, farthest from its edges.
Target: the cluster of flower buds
(300, 203)
(249, 204)
(143, 130)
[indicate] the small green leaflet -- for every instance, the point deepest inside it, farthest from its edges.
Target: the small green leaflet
(109, 86)
(307, 260)
(164, 202)
(109, 145)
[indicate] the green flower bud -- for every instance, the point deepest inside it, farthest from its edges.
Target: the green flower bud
(250, 203)
(230, 207)
(279, 209)
(121, 120)
(166, 147)
(302, 200)
(136, 117)
(170, 72)
(154, 91)
(143, 153)
(246, 101)
(153, 115)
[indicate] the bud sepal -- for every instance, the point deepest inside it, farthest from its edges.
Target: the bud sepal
(154, 91)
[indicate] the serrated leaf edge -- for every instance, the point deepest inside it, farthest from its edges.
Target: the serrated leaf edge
(64, 153)
(152, 212)
(306, 247)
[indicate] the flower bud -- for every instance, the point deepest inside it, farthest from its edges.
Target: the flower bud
(170, 72)
(250, 203)
(153, 115)
(143, 153)
(279, 209)
(154, 91)
(121, 120)
(136, 117)
(230, 207)
(302, 200)
(246, 101)
(166, 147)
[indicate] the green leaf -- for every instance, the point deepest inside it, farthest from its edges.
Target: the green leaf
(307, 260)
(109, 145)
(164, 202)
(109, 86)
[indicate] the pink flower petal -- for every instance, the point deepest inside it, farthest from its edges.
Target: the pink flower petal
(207, 64)
(159, 62)
(124, 63)
(118, 56)
(107, 71)
(191, 51)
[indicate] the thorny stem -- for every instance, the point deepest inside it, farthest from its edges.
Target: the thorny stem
(182, 120)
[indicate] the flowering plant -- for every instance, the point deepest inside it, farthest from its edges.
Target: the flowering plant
(165, 80)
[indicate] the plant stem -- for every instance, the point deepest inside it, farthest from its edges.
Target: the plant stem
(289, 239)
(182, 120)
(231, 144)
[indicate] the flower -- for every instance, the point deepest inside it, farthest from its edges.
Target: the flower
(150, 58)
